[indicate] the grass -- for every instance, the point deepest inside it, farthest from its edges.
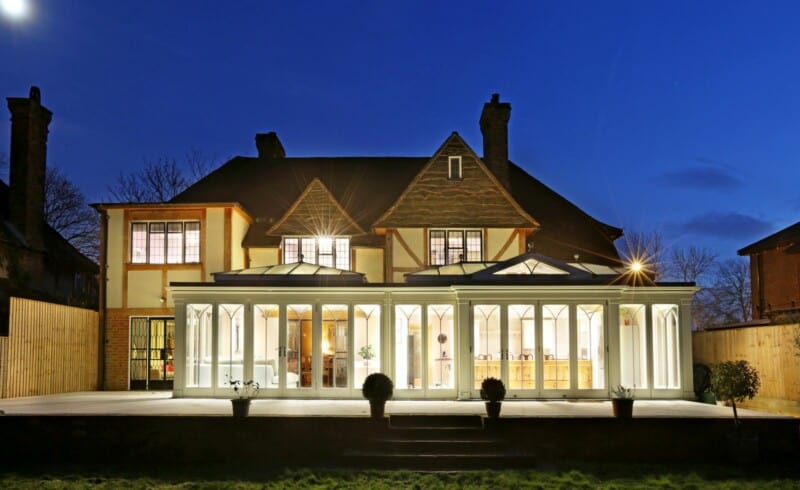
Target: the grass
(577, 477)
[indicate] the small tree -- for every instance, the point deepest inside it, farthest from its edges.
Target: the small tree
(734, 381)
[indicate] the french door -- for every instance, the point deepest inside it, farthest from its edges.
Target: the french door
(304, 349)
(540, 350)
(504, 347)
(152, 353)
(424, 350)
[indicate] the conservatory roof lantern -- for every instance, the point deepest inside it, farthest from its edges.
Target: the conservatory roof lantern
(529, 268)
(298, 273)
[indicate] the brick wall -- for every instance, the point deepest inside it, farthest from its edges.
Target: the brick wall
(781, 280)
(117, 344)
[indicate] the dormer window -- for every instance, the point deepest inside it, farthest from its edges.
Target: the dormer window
(454, 168)
(323, 250)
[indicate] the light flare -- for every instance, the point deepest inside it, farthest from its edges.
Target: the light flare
(15, 9)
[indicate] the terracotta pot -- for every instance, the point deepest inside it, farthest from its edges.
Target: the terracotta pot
(623, 407)
(493, 409)
(377, 408)
(241, 407)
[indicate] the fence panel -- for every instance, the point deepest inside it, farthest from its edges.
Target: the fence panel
(770, 349)
(3, 365)
(50, 348)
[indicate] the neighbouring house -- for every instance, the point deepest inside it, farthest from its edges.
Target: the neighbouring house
(775, 274)
(36, 262)
(306, 274)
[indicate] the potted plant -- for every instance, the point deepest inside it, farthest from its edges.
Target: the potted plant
(702, 384)
(245, 391)
(494, 392)
(622, 402)
(366, 352)
(377, 388)
(733, 381)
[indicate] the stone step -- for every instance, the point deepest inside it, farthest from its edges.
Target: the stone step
(436, 421)
(436, 461)
(442, 433)
(438, 446)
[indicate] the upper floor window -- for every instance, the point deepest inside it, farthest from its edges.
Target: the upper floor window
(454, 168)
(327, 251)
(165, 242)
(454, 246)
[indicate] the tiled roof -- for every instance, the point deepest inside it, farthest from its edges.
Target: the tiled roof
(565, 229)
(59, 250)
(366, 187)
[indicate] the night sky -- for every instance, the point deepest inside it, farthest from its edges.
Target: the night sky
(680, 117)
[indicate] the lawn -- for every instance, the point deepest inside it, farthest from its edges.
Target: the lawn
(583, 476)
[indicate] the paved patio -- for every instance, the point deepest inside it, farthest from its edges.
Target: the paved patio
(161, 403)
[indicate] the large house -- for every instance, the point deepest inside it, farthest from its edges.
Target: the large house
(775, 274)
(36, 262)
(306, 274)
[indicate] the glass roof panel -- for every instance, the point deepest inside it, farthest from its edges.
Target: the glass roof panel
(532, 267)
(600, 270)
(459, 269)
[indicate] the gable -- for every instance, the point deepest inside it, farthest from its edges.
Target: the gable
(476, 200)
(316, 212)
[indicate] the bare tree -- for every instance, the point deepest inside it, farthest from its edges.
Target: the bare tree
(160, 180)
(733, 288)
(66, 211)
(688, 265)
(198, 164)
(696, 264)
(727, 300)
(647, 249)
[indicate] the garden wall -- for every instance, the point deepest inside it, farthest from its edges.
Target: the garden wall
(770, 349)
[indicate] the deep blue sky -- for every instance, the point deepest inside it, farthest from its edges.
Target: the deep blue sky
(681, 117)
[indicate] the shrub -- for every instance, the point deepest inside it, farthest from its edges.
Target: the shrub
(493, 390)
(377, 386)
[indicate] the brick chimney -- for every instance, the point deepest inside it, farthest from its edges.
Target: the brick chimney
(269, 146)
(29, 121)
(494, 127)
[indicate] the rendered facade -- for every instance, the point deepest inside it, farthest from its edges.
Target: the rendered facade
(307, 274)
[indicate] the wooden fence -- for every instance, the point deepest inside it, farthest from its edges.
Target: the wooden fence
(50, 348)
(770, 349)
